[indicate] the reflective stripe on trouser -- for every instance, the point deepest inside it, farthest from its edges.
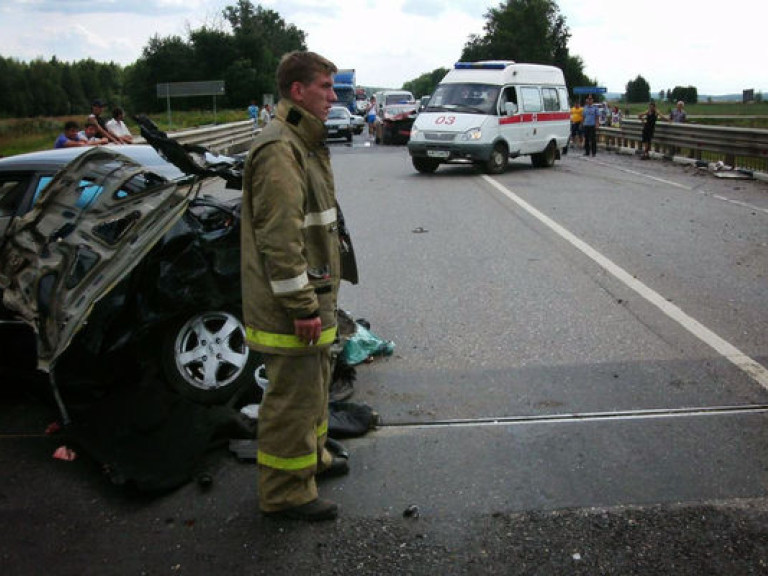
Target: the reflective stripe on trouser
(293, 426)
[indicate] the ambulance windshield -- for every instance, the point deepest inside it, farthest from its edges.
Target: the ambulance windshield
(467, 98)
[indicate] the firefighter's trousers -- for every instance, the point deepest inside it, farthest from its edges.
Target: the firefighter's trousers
(293, 426)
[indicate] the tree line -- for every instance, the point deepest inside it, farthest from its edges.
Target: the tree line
(638, 90)
(245, 54)
(531, 31)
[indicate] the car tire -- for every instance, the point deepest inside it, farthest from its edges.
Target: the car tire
(547, 158)
(425, 165)
(205, 357)
(499, 159)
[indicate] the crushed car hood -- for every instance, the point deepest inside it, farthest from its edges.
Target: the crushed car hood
(93, 224)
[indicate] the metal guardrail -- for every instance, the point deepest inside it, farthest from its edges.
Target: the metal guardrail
(745, 148)
(222, 138)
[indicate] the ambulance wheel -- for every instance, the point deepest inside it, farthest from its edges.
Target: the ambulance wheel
(205, 357)
(497, 163)
(425, 165)
(545, 159)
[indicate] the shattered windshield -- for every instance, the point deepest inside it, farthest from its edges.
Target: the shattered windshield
(467, 98)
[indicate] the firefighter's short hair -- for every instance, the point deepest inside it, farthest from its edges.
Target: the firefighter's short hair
(301, 66)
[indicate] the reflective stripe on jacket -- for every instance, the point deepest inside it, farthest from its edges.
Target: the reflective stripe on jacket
(290, 244)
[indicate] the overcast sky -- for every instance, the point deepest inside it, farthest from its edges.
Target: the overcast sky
(718, 48)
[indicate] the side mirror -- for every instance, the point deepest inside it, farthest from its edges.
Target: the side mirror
(510, 108)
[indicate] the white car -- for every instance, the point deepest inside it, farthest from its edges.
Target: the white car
(339, 123)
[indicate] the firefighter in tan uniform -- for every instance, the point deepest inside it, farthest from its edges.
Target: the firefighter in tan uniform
(290, 276)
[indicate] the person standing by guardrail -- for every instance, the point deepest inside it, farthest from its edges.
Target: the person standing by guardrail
(649, 117)
(678, 114)
(591, 122)
(576, 119)
(253, 114)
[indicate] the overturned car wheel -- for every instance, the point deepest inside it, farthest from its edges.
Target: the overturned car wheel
(206, 359)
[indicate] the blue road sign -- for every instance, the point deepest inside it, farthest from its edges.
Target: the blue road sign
(589, 90)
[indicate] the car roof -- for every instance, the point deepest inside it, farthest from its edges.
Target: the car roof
(57, 158)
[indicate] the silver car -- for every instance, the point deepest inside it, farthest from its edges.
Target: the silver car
(339, 123)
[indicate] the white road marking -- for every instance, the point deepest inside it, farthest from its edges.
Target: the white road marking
(684, 187)
(754, 369)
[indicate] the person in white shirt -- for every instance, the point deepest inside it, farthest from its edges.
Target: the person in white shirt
(265, 116)
(117, 127)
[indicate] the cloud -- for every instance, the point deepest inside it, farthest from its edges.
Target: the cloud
(74, 7)
(435, 8)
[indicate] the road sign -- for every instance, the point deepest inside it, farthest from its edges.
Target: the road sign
(589, 90)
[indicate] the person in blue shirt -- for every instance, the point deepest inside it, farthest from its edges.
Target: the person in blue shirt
(590, 123)
(253, 114)
(70, 137)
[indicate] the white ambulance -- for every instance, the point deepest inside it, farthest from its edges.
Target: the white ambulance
(488, 112)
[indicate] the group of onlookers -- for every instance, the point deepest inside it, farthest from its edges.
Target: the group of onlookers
(97, 130)
(586, 120)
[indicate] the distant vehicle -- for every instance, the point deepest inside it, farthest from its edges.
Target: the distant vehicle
(489, 112)
(339, 123)
(361, 102)
(396, 111)
(346, 92)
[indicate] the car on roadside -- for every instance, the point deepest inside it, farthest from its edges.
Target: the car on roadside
(339, 123)
(122, 268)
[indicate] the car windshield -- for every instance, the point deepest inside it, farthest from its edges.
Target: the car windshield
(337, 113)
(398, 99)
(470, 98)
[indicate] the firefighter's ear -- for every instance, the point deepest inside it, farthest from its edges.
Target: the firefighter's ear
(297, 92)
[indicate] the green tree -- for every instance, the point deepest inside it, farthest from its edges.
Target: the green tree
(688, 94)
(425, 84)
(169, 59)
(15, 99)
(638, 90)
(531, 31)
(45, 88)
(261, 37)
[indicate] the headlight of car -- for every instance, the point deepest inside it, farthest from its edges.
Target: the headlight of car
(414, 132)
(469, 135)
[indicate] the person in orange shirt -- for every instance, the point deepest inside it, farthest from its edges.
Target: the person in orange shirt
(577, 117)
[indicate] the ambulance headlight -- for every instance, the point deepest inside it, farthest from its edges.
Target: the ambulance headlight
(414, 132)
(471, 135)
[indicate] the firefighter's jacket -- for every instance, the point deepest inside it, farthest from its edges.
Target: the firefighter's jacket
(290, 243)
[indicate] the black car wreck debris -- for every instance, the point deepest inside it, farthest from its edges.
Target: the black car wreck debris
(129, 278)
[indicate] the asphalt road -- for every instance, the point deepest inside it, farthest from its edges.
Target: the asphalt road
(578, 387)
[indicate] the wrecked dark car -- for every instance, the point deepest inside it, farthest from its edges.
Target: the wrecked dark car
(121, 277)
(123, 268)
